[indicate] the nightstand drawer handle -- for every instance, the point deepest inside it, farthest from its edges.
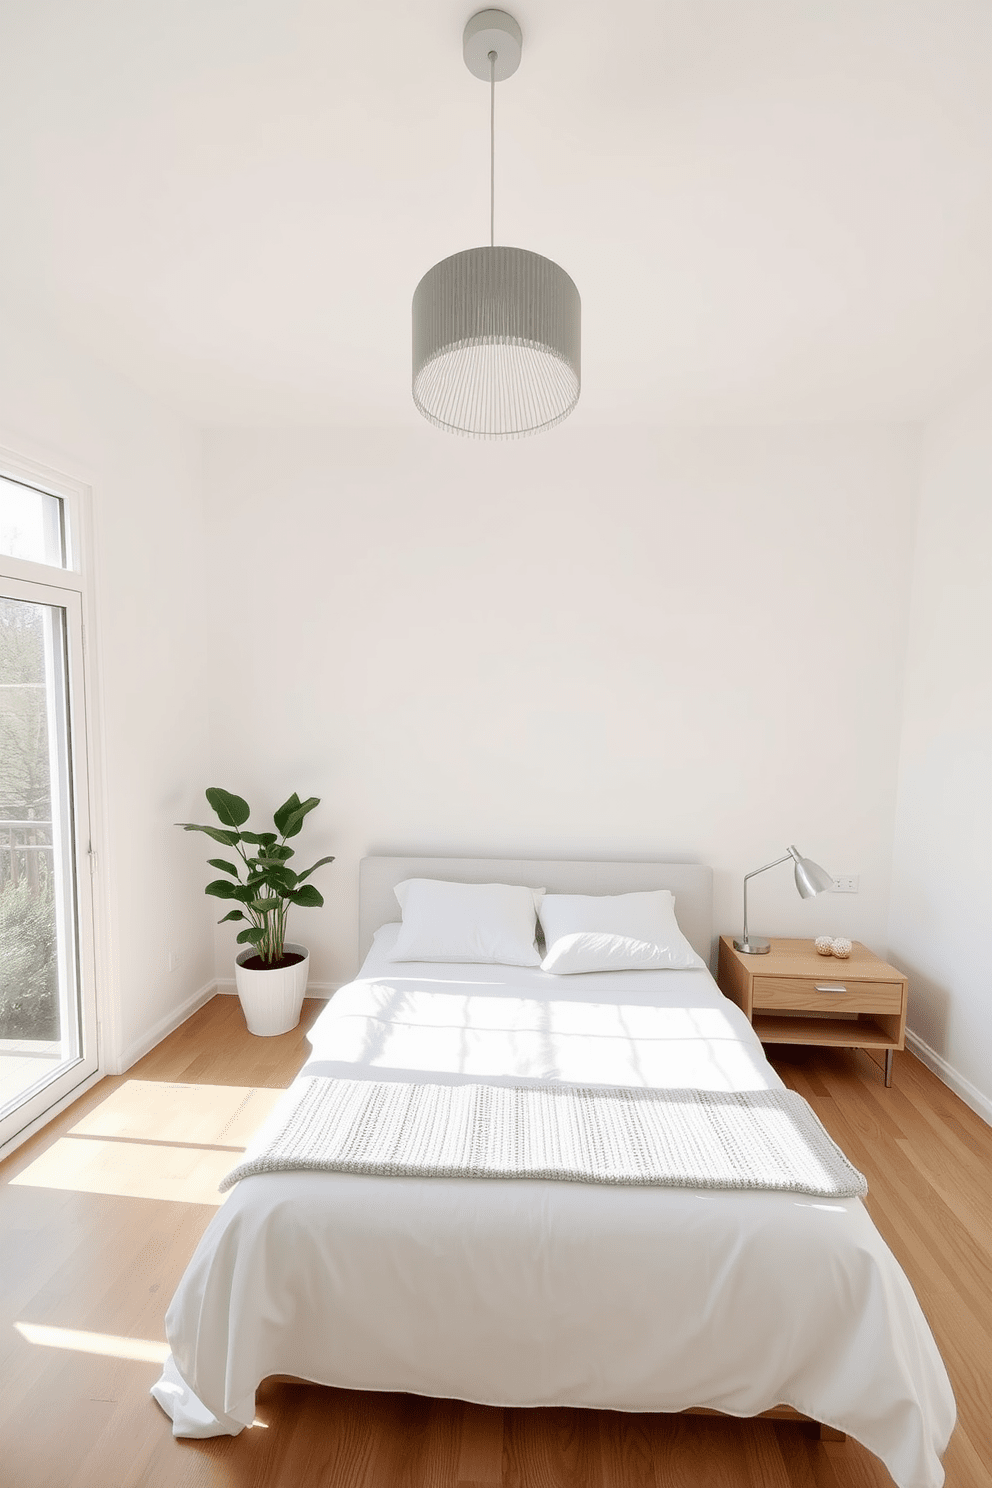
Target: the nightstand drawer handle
(830, 987)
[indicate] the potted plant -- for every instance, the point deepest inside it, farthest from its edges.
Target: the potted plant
(271, 973)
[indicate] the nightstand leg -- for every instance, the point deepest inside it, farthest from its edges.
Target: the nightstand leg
(888, 1065)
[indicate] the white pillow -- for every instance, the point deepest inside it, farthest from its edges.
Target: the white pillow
(613, 932)
(467, 922)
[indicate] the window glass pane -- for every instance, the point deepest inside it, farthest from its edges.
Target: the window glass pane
(31, 524)
(39, 1008)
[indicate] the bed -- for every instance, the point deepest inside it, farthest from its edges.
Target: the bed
(527, 1292)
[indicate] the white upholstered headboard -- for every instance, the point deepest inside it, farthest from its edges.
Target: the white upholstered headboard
(691, 884)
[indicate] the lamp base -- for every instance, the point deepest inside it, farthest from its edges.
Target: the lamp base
(756, 945)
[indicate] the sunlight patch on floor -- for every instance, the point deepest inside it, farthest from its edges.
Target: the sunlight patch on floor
(143, 1350)
(150, 1139)
(210, 1115)
(131, 1170)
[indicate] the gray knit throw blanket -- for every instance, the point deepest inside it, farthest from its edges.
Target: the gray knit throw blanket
(753, 1139)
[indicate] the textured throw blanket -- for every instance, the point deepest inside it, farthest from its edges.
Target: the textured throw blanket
(667, 1138)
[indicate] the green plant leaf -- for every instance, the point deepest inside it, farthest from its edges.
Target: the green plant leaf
(295, 820)
(229, 839)
(251, 937)
(224, 866)
(222, 888)
(264, 906)
(259, 839)
(319, 864)
(279, 878)
(233, 811)
(232, 914)
(307, 897)
(286, 810)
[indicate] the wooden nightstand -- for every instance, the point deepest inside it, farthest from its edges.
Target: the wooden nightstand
(863, 998)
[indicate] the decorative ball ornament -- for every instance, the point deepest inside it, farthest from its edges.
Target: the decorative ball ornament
(825, 946)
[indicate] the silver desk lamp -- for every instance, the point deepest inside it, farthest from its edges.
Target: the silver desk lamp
(811, 879)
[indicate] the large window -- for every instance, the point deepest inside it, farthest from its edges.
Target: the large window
(47, 997)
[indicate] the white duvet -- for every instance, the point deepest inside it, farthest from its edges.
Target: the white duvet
(526, 1292)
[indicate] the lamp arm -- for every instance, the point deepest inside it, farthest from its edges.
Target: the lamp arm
(754, 872)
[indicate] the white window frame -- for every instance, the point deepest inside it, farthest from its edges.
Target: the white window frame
(71, 588)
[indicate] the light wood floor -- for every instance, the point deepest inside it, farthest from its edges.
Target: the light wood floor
(101, 1212)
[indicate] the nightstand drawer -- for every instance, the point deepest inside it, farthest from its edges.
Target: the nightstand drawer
(800, 994)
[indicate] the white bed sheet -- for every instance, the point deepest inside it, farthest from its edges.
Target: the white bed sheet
(523, 1292)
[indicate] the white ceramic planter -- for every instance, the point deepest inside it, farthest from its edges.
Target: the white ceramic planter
(272, 1000)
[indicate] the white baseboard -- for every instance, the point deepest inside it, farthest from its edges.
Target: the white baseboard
(973, 1097)
(166, 1025)
(227, 986)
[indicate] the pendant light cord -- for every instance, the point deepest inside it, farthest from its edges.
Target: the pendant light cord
(492, 149)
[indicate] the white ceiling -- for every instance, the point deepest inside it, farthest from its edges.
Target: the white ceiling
(773, 209)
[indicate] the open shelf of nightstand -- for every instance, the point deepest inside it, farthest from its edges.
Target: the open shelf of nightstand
(864, 1032)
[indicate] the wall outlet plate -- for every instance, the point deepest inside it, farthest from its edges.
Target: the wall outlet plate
(846, 884)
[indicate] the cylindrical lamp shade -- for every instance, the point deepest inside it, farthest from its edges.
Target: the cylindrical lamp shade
(496, 343)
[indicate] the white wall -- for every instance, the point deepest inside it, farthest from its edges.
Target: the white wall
(942, 866)
(602, 642)
(143, 464)
(596, 642)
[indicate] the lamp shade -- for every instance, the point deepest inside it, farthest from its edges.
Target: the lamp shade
(811, 879)
(496, 335)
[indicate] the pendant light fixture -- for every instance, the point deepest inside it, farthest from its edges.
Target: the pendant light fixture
(495, 330)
